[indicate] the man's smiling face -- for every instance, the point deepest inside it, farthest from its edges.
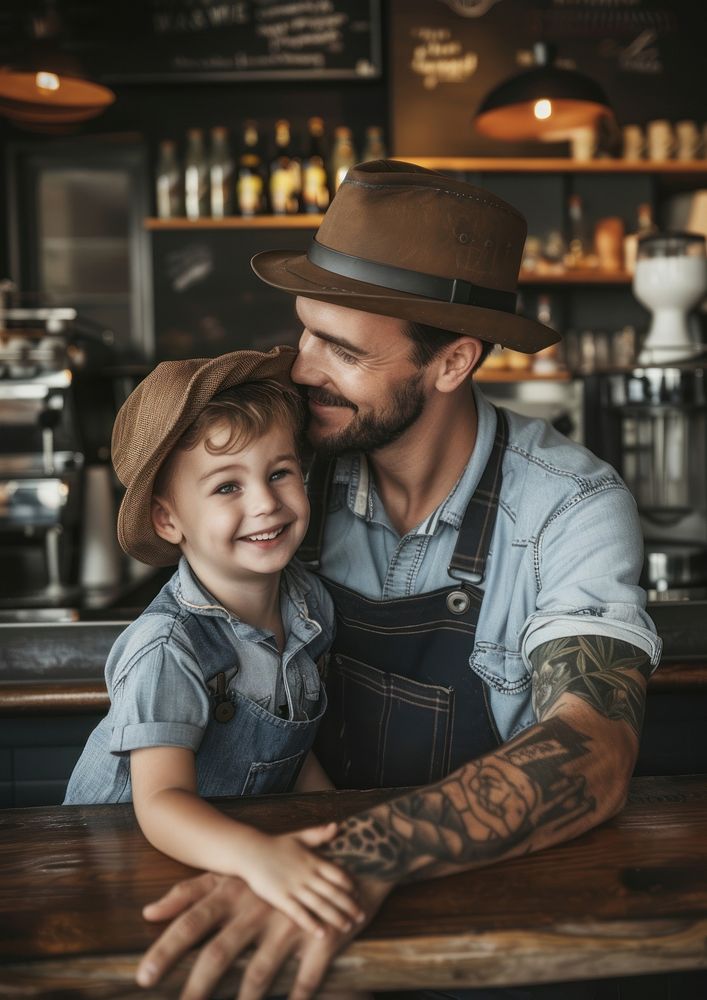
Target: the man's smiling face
(364, 390)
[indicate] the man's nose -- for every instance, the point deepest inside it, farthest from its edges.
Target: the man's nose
(305, 370)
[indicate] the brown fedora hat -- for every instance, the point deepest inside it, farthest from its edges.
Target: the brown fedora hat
(408, 242)
(153, 418)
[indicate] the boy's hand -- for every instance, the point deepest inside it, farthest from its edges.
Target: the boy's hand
(288, 874)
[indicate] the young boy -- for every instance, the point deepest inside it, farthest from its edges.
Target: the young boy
(215, 688)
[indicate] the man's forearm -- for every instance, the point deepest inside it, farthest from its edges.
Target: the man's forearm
(558, 778)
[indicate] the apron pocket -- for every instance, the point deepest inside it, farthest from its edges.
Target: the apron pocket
(276, 775)
(383, 730)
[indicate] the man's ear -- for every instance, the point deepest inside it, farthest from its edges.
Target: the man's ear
(456, 362)
(164, 521)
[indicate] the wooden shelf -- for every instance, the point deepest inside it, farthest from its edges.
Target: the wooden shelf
(594, 276)
(239, 222)
(509, 375)
(531, 164)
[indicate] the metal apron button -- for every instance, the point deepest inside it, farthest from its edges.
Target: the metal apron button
(458, 602)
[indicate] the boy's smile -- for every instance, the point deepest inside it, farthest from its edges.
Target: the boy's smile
(238, 516)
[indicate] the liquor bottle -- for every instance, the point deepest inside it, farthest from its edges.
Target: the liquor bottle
(546, 361)
(577, 242)
(343, 156)
(374, 148)
(220, 174)
(250, 183)
(285, 173)
(196, 174)
(315, 190)
(169, 182)
(644, 227)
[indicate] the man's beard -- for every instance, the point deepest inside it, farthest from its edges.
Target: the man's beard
(371, 432)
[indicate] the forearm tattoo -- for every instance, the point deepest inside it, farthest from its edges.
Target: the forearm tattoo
(496, 804)
(603, 672)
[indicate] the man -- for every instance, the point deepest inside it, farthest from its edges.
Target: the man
(491, 644)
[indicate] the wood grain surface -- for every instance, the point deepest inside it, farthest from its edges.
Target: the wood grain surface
(629, 897)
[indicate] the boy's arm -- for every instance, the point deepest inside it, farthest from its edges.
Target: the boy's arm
(282, 870)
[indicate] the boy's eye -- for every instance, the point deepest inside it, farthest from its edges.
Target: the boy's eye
(227, 488)
(280, 474)
(346, 357)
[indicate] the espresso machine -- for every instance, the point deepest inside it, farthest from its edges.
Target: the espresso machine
(56, 413)
(650, 421)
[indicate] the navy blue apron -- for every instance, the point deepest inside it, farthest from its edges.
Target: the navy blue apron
(404, 706)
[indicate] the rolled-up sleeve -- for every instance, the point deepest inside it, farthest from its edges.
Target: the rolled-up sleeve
(588, 560)
(159, 699)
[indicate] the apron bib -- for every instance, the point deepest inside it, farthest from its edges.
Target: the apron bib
(404, 706)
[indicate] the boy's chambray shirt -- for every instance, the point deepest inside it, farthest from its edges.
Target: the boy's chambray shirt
(158, 693)
(565, 556)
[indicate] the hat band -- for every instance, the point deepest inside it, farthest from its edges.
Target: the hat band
(401, 279)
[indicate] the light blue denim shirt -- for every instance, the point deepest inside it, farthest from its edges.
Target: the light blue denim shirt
(157, 675)
(565, 556)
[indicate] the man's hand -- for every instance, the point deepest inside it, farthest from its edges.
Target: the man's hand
(225, 908)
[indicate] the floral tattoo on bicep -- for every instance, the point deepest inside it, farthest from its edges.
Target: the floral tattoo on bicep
(604, 672)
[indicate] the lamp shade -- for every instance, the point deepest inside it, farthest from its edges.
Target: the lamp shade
(45, 88)
(541, 103)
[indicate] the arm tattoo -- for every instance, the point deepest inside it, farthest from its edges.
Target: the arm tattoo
(498, 803)
(602, 671)
(475, 815)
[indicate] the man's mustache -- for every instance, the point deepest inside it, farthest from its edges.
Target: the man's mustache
(326, 399)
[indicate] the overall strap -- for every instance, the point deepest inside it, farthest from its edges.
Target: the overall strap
(321, 473)
(469, 558)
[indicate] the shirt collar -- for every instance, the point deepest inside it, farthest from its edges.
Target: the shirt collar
(363, 501)
(192, 594)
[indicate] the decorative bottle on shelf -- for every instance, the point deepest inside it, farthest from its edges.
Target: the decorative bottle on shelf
(546, 361)
(250, 183)
(169, 182)
(374, 148)
(196, 175)
(315, 189)
(220, 173)
(578, 250)
(343, 156)
(285, 173)
(644, 227)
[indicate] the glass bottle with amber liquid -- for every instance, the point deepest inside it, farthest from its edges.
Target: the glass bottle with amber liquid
(170, 203)
(285, 173)
(374, 148)
(343, 156)
(250, 182)
(315, 189)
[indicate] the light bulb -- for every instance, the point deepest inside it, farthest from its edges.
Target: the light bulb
(47, 81)
(542, 109)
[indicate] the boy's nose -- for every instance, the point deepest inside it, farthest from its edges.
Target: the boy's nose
(264, 500)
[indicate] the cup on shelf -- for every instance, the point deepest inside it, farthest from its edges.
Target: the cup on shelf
(583, 142)
(633, 142)
(661, 139)
(687, 140)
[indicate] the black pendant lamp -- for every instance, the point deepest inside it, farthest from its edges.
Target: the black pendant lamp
(542, 103)
(45, 89)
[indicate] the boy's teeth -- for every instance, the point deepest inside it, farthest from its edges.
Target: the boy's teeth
(265, 536)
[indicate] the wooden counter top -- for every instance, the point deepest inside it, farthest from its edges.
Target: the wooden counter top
(629, 897)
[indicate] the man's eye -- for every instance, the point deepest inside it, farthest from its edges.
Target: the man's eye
(340, 352)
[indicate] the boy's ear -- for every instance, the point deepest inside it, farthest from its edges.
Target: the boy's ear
(163, 521)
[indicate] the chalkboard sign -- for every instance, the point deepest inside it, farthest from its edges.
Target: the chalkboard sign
(648, 55)
(208, 40)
